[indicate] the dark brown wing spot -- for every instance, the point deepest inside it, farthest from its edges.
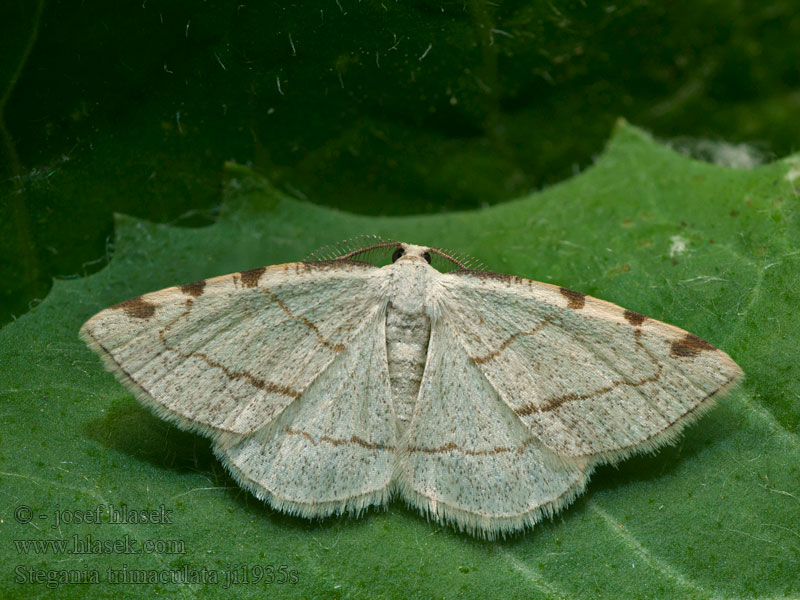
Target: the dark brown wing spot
(195, 289)
(634, 318)
(136, 308)
(577, 300)
(690, 346)
(250, 278)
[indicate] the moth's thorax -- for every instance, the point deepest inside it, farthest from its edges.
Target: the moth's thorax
(408, 330)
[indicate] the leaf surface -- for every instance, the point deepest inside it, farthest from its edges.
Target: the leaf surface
(710, 249)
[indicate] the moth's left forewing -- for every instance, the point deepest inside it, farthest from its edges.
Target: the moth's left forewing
(225, 356)
(284, 367)
(588, 377)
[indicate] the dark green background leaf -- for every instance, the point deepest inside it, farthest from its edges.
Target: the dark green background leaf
(710, 249)
(376, 107)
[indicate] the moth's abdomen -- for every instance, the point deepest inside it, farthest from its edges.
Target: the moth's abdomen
(407, 336)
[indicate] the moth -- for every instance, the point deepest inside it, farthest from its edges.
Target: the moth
(484, 400)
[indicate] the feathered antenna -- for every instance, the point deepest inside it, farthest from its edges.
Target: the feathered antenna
(375, 250)
(454, 261)
(365, 248)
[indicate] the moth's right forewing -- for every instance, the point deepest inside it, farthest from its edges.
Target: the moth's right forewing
(590, 379)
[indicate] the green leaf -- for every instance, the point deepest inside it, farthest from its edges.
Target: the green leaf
(710, 249)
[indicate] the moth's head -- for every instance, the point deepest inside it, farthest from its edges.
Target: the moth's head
(441, 260)
(409, 253)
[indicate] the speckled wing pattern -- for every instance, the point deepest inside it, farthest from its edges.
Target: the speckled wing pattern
(334, 449)
(528, 386)
(225, 356)
(589, 378)
(469, 460)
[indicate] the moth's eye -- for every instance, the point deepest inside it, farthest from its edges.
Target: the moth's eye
(427, 256)
(397, 254)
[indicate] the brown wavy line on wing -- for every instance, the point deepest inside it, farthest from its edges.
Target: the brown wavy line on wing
(354, 440)
(451, 447)
(489, 356)
(256, 382)
(274, 297)
(556, 401)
